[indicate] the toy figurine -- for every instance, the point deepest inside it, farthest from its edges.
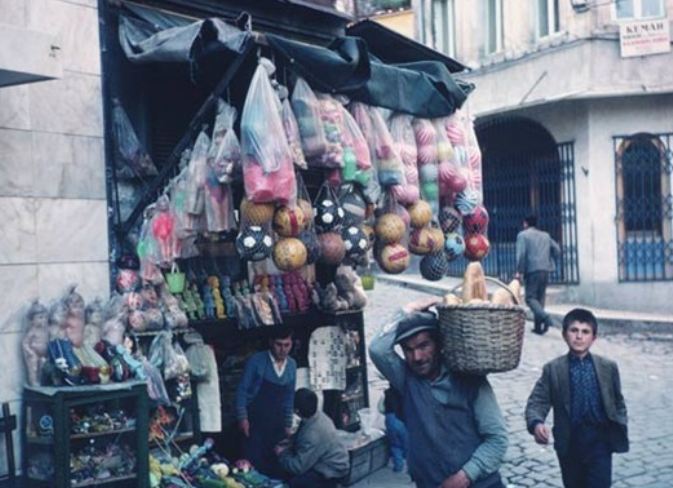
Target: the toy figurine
(200, 309)
(208, 301)
(163, 226)
(74, 319)
(35, 342)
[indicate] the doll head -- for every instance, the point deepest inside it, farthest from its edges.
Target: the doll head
(38, 315)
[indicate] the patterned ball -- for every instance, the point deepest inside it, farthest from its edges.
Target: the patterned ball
(254, 244)
(467, 201)
(477, 221)
(390, 228)
(354, 206)
(437, 238)
(406, 194)
(476, 247)
(428, 173)
(332, 248)
(355, 241)
(421, 241)
(445, 151)
(306, 207)
(329, 214)
(312, 245)
(450, 178)
(454, 245)
(289, 254)
(256, 213)
(289, 222)
(393, 258)
(420, 214)
(450, 219)
(434, 266)
(430, 190)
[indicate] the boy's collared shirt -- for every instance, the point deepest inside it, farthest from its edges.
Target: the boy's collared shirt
(586, 405)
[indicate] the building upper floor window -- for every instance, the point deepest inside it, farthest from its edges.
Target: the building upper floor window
(639, 9)
(494, 31)
(547, 17)
(443, 26)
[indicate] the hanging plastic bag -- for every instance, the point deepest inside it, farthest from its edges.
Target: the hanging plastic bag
(293, 136)
(332, 123)
(196, 175)
(148, 249)
(135, 162)
(403, 136)
(388, 162)
(357, 159)
(450, 178)
(360, 113)
(307, 111)
(428, 172)
(268, 171)
(224, 154)
(163, 231)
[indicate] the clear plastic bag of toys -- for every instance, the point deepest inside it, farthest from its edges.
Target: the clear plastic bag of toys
(403, 136)
(388, 162)
(360, 113)
(224, 155)
(307, 112)
(268, 171)
(357, 158)
(293, 135)
(196, 175)
(148, 249)
(332, 123)
(134, 159)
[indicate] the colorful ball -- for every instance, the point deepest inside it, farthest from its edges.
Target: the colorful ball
(422, 241)
(477, 221)
(329, 214)
(289, 222)
(406, 194)
(454, 245)
(254, 244)
(289, 254)
(256, 213)
(434, 266)
(437, 238)
(428, 173)
(467, 201)
(312, 245)
(445, 151)
(393, 258)
(332, 248)
(451, 179)
(355, 241)
(476, 247)
(430, 191)
(450, 219)
(306, 207)
(390, 228)
(420, 214)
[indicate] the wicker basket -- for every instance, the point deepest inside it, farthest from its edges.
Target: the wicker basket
(482, 338)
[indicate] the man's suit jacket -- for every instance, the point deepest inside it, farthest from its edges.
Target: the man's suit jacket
(535, 251)
(552, 390)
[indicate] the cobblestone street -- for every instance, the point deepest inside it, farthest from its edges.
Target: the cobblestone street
(647, 383)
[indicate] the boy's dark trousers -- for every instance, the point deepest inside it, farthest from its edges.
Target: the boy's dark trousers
(588, 462)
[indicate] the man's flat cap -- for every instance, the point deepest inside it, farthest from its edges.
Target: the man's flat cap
(414, 323)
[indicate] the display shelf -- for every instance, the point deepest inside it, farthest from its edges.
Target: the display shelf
(92, 435)
(98, 482)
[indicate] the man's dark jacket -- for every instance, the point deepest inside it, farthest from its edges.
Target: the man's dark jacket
(552, 390)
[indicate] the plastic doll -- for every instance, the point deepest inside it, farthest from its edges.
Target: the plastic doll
(94, 322)
(35, 341)
(74, 319)
(163, 227)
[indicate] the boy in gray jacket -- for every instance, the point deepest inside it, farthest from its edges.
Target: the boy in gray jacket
(316, 457)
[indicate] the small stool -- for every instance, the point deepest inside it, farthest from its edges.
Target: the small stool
(7, 426)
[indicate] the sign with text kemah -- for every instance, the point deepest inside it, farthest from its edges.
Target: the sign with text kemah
(644, 37)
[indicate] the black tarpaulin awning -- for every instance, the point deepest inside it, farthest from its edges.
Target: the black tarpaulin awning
(424, 89)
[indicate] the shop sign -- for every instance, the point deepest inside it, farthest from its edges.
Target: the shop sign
(644, 37)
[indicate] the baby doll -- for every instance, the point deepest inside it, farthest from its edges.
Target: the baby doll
(35, 342)
(74, 319)
(94, 322)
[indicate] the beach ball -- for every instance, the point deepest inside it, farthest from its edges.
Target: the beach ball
(289, 222)
(256, 213)
(420, 214)
(476, 247)
(332, 248)
(390, 228)
(454, 245)
(289, 254)
(393, 258)
(434, 266)
(254, 244)
(477, 221)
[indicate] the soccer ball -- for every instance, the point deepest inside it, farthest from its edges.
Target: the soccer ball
(254, 244)
(289, 254)
(454, 246)
(332, 248)
(476, 247)
(476, 222)
(355, 241)
(329, 215)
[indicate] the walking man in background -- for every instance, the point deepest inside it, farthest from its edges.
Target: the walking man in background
(590, 421)
(535, 254)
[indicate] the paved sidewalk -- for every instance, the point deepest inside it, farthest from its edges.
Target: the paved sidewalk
(647, 381)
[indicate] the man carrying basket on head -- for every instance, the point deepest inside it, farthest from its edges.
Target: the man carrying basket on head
(457, 435)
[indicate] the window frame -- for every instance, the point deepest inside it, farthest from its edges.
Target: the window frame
(637, 11)
(447, 44)
(498, 25)
(553, 21)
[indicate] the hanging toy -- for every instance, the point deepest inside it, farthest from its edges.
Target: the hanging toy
(394, 258)
(424, 241)
(355, 241)
(477, 221)
(390, 228)
(420, 214)
(476, 247)
(332, 248)
(289, 254)
(254, 244)
(450, 219)
(256, 213)
(163, 226)
(467, 201)
(329, 214)
(306, 207)
(454, 245)
(289, 222)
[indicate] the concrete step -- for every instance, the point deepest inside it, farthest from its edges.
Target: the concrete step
(649, 325)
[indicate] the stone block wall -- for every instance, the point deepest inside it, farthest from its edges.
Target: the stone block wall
(53, 205)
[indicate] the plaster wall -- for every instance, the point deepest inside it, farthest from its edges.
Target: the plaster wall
(53, 206)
